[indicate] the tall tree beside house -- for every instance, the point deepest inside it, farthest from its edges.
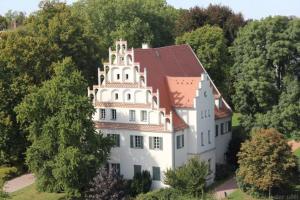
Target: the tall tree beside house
(265, 161)
(136, 21)
(65, 150)
(215, 15)
(3, 23)
(210, 46)
(265, 52)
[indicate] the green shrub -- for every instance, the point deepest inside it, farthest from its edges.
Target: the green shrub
(169, 194)
(141, 183)
(190, 178)
(7, 173)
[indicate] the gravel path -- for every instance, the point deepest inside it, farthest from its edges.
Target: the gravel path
(19, 183)
(229, 186)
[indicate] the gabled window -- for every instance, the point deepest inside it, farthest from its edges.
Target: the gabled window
(180, 141)
(136, 142)
(115, 138)
(113, 114)
(143, 115)
(217, 130)
(222, 128)
(156, 143)
(156, 173)
(131, 115)
(102, 113)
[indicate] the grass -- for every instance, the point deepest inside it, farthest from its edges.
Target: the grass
(240, 195)
(30, 193)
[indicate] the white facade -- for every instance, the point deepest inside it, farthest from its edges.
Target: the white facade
(128, 107)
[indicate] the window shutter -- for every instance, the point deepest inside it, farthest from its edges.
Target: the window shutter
(118, 140)
(142, 142)
(150, 142)
(182, 140)
(161, 143)
(177, 141)
(131, 141)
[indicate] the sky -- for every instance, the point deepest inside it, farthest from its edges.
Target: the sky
(251, 9)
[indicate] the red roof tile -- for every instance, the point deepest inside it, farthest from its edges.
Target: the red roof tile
(168, 65)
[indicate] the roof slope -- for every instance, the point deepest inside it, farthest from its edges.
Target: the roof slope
(175, 71)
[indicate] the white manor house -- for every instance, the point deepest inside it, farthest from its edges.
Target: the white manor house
(162, 108)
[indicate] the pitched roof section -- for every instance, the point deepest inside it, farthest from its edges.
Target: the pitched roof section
(175, 71)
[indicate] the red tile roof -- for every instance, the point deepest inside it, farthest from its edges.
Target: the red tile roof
(175, 71)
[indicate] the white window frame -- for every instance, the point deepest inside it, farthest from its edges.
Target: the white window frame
(102, 113)
(131, 115)
(138, 141)
(144, 116)
(113, 114)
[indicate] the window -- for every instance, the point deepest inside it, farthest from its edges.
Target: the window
(137, 169)
(113, 114)
(202, 139)
(156, 143)
(143, 115)
(116, 96)
(115, 138)
(128, 96)
(116, 166)
(209, 166)
(202, 114)
(155, 173)
(229, 126)
(127, 76)
(180, 141)
(208, 113)
(131, 115)
(118, 76)
(217, 130)
(136, 142)
(209, 141)
(102, 113)
(205, 113)
(222, 128)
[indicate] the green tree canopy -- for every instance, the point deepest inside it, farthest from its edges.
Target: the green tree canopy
(265, 52)
(265, 161)
(137, 21)
(65, 150)
(210, 46)
(217, 15)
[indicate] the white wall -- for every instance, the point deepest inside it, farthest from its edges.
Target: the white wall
(128, 157)
(222, 141)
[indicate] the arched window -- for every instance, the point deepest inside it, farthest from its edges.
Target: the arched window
(128, 97)
(101, 79)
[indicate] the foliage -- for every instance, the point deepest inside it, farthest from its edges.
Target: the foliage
(107, 185)
(3, 23)
(266, 161)
(65, 150)
(190, 178)
(210, 46)
(14, 17)
(6, 173)
(266, 52)
(168, 194)
(30, 193)
(223, 171)
(141, 183)
(136, 21)
(238, 137)
(218, 15)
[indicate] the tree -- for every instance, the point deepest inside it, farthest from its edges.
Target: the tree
(190, 178)
(210, 46)
(65, 150)
(14, 18)
(141, 183)
(265, 52)
(107, 185)
(215, 15)
(136, 21)
(3, 23)
(266, 161)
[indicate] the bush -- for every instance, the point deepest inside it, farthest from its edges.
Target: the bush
(223, 171)
(169, 194)
(107, 185)
(190, 178)
(7, 173)
(141, 183)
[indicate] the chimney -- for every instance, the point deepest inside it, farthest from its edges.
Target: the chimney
(145, 46)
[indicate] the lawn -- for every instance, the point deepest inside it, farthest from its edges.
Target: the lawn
(30, 193)
(239, 195)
